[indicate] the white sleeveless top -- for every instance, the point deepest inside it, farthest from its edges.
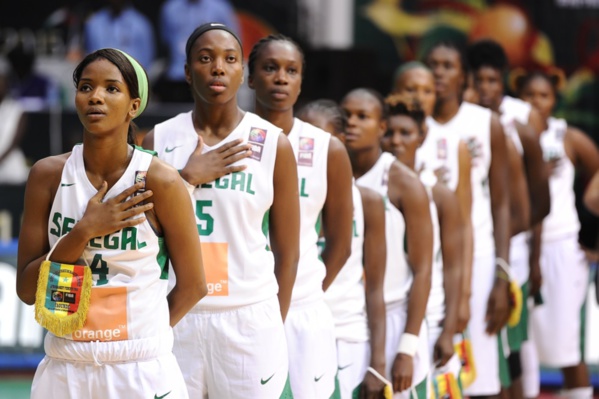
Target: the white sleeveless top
(346, 296)
(398, 276)
(311, 148)
(562, 220)
(472, 124)
(231, 212)
(130, 267)
(435, 308)
(439, 151)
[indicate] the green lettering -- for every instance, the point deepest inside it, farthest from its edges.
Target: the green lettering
(238, 181)
(249, 189)
(111, 243)
(100, 267)
(94, 244)
(222, 182)
(205, 217)
(129, 237)
(303, 192)
(355, 229)
(56, 220)
(67, 225)
(206, 185)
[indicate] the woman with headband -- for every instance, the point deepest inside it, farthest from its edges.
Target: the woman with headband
(232, 344)
(123, 212)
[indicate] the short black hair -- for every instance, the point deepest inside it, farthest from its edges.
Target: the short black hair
(411, 109)
(453, 45)
(200, 30)
(330, 109)
(373, 93)
(487, 53)
(522, 81)
(269, 39)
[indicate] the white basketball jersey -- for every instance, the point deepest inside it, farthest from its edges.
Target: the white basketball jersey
(562, 220)
(435, 308)
(439, 151)
(398, 276)
(472, 124)
(311, 148)
(130, 267)
(231, 212)
(346, 296)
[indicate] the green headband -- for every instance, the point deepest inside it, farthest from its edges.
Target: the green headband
(142, 82)
(408, 66)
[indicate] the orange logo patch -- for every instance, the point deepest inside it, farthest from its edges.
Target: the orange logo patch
(216, 267)
(107, 316)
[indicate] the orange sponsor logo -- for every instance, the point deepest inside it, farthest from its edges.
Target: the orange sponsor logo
(216, 267)
(107, 316)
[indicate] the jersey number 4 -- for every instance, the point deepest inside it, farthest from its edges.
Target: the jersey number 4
(207, 227)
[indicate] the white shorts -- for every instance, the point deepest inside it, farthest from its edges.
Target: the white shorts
(353, 359)
(485, 348)
(310, 332)
(531, 374)
(137, 369)
(396, 324)
(555, 326)
(519, 258)
(233, 353)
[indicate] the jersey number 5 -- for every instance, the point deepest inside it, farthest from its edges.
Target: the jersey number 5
(208, 226)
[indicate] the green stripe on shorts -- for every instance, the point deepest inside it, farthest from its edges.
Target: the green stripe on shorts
(287, 394)
(519, 333)
(504, 371)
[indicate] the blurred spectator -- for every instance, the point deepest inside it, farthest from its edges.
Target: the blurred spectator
(65, 28)
(178, 18)
(33, 90)
(120, 25)
(13, 167)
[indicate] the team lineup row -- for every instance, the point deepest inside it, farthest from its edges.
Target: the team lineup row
(339, 252)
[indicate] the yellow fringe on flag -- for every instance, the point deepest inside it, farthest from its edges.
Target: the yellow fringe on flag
(61, 323)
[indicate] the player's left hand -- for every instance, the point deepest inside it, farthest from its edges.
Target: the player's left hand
(402, 371)
(498, 306)
(443, 349)
(372, 387)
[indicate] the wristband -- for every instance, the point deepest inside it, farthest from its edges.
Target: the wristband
(408, 344)
(504, 269)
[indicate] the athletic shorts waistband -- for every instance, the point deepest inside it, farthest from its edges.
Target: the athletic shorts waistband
(127, 351)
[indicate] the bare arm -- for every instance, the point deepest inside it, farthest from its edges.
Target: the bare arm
(535, 277)
(407, 193)
(519, 202)
(582, 151)
(498, 305)
(450, 223)
(374, 271)
(337, 213)
(591, 195)
(536, 122)
(204, 168)
(174, 210)
(284, 222)
(537, 174)
(464, 195)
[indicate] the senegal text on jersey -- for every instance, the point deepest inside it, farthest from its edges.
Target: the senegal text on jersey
(123, 239)
(239, 181)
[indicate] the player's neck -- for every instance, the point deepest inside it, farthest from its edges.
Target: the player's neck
(363, 160)
(218, 121)
(446, 109)
(281, 119)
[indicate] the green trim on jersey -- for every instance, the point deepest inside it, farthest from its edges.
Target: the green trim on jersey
(318, 225)
(519, 333)
(151, 152)
(337, 392)
(287, 394)
(162, 258)
(266, 226)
